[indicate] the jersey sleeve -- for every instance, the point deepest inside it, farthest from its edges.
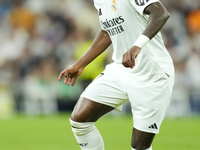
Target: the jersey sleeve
(140, 5)
(99, 14)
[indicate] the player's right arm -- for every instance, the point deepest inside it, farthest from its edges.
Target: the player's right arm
(158, 16)
(99, 45)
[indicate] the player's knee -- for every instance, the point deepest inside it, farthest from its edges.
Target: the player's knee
(75, 116)
(80, 115)
(82, 111)
(81, 128)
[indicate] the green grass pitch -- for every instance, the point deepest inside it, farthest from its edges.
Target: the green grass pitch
(54, 133)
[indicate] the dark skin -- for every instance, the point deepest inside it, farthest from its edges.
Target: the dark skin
(158, 16)
(90, 111)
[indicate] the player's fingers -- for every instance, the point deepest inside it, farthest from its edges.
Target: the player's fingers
(129, 63)
(133, 61)
(69, 80)
(61, 75)
(65, 81)
(74, 81)
(129, 60)
(66, 74)
(124, 61)
(125, 64)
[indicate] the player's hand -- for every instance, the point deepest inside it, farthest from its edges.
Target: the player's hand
(129, 57)
(71, 74)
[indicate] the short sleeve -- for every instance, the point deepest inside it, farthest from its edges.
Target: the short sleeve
(140, 5)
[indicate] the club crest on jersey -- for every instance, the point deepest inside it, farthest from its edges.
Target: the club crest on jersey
(141, 2)
(114, 5)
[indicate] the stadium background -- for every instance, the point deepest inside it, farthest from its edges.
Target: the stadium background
(39, 38)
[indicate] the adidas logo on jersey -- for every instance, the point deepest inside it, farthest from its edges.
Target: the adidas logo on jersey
(153, 126)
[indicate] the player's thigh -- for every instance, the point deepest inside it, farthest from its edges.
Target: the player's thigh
(87, 110)
(141, 140)
(101, 96)
(149, 104)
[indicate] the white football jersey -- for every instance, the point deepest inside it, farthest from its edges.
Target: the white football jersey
(124, 21)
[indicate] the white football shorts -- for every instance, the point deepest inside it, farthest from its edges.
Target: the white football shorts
(149, 101)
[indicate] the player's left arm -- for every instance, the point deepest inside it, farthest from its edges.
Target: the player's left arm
(158, 16)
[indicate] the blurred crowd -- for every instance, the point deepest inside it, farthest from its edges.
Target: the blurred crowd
(39, 38)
